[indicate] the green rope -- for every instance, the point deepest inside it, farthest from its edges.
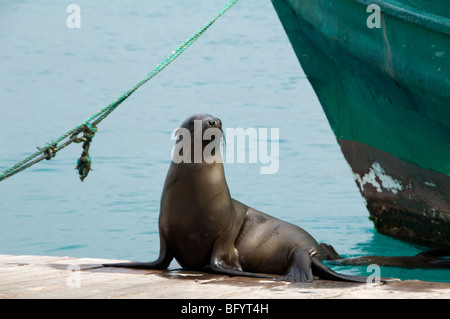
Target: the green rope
(84, 162)
(89, 126)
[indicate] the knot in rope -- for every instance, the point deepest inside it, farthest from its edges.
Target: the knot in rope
(85, 161)
(88, 129)
(49, 151)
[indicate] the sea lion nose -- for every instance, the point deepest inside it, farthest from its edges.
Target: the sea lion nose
(212, 122)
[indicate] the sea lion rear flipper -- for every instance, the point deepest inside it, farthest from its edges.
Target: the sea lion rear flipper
(328, 252)
(323, 272)
(300, 268)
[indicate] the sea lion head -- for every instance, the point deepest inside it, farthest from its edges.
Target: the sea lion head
(207, 121)
(198, 140)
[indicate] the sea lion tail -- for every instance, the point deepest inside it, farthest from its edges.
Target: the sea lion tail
(323, 272)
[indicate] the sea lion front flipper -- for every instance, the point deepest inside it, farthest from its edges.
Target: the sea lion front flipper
(225, 260)
(163, 261)
(221, 268)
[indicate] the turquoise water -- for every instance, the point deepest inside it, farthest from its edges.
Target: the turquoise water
(242, 70)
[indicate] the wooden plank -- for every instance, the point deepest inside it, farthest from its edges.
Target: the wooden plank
(53, 279)
(49, 277)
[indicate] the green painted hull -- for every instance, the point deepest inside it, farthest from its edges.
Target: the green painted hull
(386, 94)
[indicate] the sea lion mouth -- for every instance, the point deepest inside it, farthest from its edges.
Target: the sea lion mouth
(212, 133)
(211, 123)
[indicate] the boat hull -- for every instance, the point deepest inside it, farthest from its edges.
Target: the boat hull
(404, 200)
(386, 94)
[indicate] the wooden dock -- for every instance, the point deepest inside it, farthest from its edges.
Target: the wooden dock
(46, 277)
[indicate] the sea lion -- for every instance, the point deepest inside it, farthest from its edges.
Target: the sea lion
(202, 227)
(430, 259)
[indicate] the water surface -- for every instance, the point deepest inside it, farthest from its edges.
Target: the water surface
(242, 70)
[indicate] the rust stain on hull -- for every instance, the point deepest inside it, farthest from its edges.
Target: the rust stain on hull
(404, 200)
